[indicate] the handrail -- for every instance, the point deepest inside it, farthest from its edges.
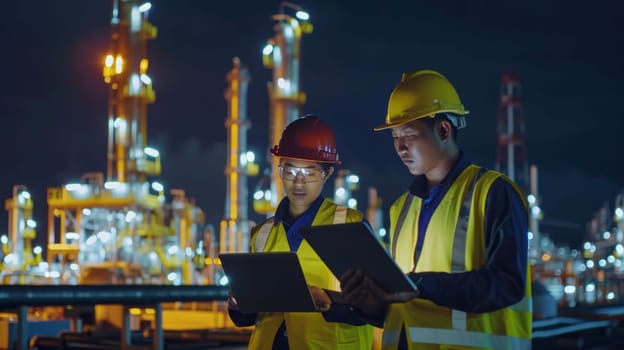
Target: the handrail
(50, 295)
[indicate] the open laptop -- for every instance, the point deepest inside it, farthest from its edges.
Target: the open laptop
(353, 246)
(267, 282)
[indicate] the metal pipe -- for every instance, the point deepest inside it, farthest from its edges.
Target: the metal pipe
(40, 295)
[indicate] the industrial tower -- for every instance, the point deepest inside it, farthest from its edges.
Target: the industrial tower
(511, 154)
(125, 70)
(235, 227)
(282, 53)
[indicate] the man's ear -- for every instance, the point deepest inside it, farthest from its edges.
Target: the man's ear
(445, 130)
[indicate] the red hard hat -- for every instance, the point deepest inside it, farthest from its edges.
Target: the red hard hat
(308, 138)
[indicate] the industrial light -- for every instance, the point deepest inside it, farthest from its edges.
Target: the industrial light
(353, 179)
(37, 250)
(109, 60)
(267, 50)
(157, 186)
(145, 7)
(31, 223)
(302, 15)
(152, 152)
(531, 199)
(382, 232)
(146, 79)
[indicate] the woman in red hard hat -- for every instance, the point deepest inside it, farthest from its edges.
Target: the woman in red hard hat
(307, 152)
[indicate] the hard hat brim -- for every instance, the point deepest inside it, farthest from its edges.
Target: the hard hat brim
(411, 119)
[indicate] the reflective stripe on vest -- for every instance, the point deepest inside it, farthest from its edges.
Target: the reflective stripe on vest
(463, 338)
(458, 257)
(340, 217)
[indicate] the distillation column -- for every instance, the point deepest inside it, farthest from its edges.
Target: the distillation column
(234, 229)
(125, 70)
(283, 54)
(511, 155)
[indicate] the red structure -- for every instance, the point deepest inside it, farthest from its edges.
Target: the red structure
(511, 153)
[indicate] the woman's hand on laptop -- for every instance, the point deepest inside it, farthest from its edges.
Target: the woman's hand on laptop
(320, 298)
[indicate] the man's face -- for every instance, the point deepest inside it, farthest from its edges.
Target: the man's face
(303, 181)
(418, 146)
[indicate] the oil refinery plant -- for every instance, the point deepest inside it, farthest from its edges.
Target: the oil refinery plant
(114, 236)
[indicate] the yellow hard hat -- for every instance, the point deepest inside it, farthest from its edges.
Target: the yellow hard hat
(420, 94)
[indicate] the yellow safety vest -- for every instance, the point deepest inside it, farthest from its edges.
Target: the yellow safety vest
(308, 330)
(454, 242)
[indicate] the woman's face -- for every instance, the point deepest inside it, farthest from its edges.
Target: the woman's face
(303, 182)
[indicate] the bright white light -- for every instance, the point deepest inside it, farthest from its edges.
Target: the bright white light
(340, 192)
(267, 50)
(258, 195)
(592, 248)
(352, 203)
(535, 211)
(104, 236)
(530, 234)
(145, 7)
(86, 211)
(173, 250)
(267, 195)
(135, 84)
(224, 280)
(31, 223)
(602, 262)
(130, 215)
(109, 60)
(353, 179)
(250, 156)
(610, 296)
(531, 199)
(382, 232)
(283, 83)
(135, 19)
(91, 240)
(24, 194)
(146, 79)
(119, 122)
(610, 259)
(37, 250)
(4, 239)
(73, 266)
(111, 185)
(586, 245)
(188, 251)
(119, 64)
(172, 276)
(606, 235)
(619, 213)
(73, 187)
(590, 264)
(72, 236)
(55, 274)
(569, 289)
(302, 15)
(157, 186)
(152, 152)
(590, 287)
(619, 249)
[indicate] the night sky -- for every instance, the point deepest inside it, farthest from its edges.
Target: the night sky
(568, 54)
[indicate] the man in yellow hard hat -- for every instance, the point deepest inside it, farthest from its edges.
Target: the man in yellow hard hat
(459, 233)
